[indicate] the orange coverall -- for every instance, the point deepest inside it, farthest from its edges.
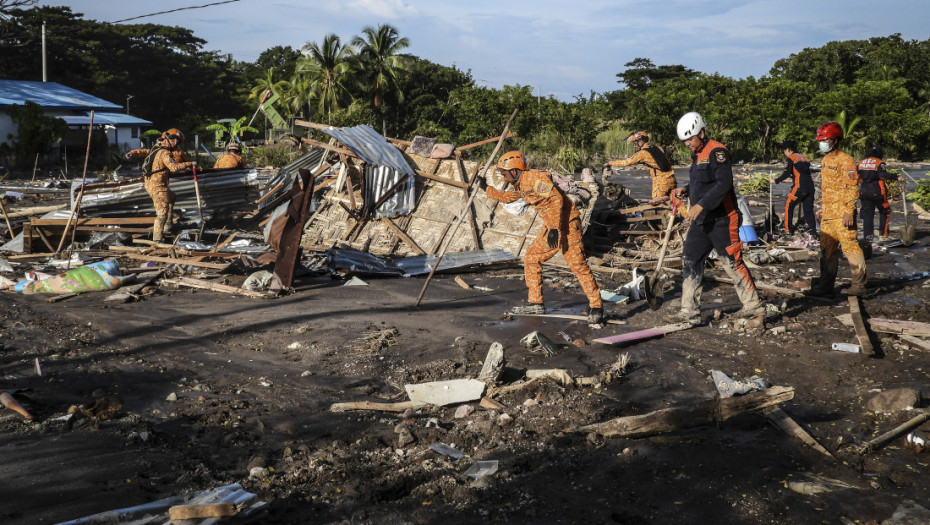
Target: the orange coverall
(229, 160)
(167, 161)
(839, 190)
(558, 213)
(663, 181)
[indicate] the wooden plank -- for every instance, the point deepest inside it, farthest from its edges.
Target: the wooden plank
(205, 510)
(891, 326)
(406, 238)
(61, 297)
(86, 221)
(341, 151)
(371, 405)
(173, 260)
(641, 335)
(216, 287)
(704, 412)
(475, 232)
(443, 180)
(915, 343)
(912, 423)
(485, 141)
(786, 424)
(862, 334)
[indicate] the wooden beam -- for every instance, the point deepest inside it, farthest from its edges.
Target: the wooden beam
(470, 210)
(173, 260)
(485, 141)
(892, 326)
(443, 180)
(704, 412)
(216, 287)
(640, 335)
(915, 343)
(371, 405)
(86, 221)
(782, 421)
(400, 233)
(862, 333)
(329, 147)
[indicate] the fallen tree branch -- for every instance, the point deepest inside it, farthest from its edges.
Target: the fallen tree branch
(700, 413)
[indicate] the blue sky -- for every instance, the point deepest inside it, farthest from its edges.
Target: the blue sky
(561, 48)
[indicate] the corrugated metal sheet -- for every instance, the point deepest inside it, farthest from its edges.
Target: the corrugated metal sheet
(371, 147)
(379, 179)
(287, 174)
(222, 193)
(423, 264)
(51, 95)
(386, 166)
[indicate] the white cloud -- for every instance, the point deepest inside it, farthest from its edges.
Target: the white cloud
(390, 9)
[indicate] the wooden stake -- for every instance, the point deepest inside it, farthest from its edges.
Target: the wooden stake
(862, 334)
(370, 405)
(8, 401)
(783, 422)
(77, 201)
(465, 209)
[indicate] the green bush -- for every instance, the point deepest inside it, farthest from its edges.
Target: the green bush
(757, 185)
(274, 155)
(921, 195)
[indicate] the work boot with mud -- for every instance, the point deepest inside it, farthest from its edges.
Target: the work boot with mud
(749, 313)
(596, 316)
(682, 316)
(528, 309)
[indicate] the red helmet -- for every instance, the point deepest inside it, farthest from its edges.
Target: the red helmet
(513, 160)
(639, 135)
(830, 130)
(174, 133)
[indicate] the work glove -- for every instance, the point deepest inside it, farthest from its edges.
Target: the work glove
(552, 239)
(482, 183)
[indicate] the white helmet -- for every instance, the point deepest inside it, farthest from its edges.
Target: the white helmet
(690, 125)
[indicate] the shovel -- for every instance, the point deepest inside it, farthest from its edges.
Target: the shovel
(653, 287)
(908, 232)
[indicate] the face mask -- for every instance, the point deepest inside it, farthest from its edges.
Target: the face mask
(825, 147)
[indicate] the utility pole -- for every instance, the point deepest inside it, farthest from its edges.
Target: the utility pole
(44, 75)
(128, 98)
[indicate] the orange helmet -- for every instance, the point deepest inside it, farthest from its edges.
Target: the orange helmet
(830, 130)
(513, 160)
(174, 133)
(639, 135)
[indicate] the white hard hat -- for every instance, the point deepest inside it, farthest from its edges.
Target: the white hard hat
(690, 125)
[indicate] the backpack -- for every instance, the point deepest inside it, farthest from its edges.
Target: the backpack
(150, 160)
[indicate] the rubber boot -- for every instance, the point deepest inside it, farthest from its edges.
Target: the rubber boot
(827, 279)
(857, 269)
(866, 244)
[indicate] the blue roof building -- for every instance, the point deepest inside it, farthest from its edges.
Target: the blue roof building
(74, 107)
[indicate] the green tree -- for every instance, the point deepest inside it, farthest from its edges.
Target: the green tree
(381, 62)
(36, 133)
(327, 67)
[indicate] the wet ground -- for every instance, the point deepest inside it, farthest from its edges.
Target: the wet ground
(252, 382)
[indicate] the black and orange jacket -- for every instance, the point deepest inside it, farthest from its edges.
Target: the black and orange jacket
(872, 177)
(799, 168)
(711, 183)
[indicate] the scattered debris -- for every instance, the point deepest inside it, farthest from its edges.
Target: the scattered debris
(446, 450)
(547, 346)
(846, 347)
(481, 469)
(442, 393)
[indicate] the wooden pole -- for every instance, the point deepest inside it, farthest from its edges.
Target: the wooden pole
(7, 217)
(77, 200)
(467, 206)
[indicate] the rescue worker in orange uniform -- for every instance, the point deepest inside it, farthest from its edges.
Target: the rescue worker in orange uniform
(802, 188)
(656, 162)
(170, 159)
(839, 190)
(562, 233)
(231, 159)
(715, 221)
(873, 193)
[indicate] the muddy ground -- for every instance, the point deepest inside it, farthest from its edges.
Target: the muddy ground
(254, 379)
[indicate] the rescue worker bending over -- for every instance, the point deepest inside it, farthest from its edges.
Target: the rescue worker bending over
(656, 162)
(873, 193)
(802, 188)
(715, 222)
(562, 233)
(170, 159)
(839, 190)
(231, 159)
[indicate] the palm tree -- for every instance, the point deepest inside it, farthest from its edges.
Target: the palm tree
(267, 82)
(326, 67)
(381, 61)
